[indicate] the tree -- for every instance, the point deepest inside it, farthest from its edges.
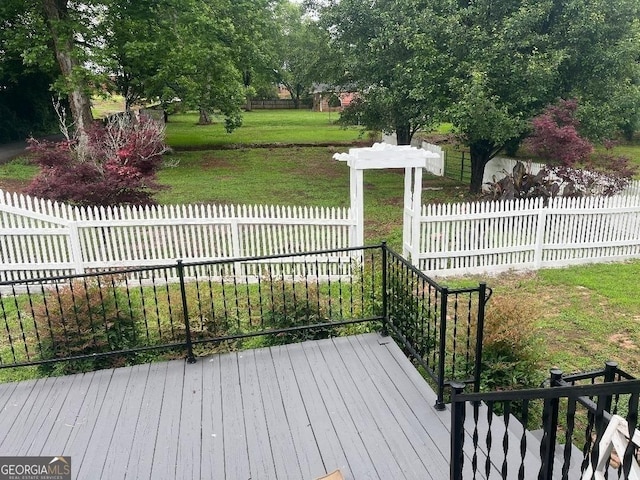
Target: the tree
(555, 134)
(391, 55)
(25, 99)
(512, 59)
(492, 64)
(44, 33)
(301, 52)
(63, 29)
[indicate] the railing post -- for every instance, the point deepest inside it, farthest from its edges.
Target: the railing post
(602, 405)
(458, 411)
(385, 290)
(550, 428)
(185, 313)
(444, 295)
(482, 300)
(610, 370)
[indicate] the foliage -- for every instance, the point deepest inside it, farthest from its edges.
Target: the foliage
(531, 56)
(301, 52)
(294, 305)
(390, 56)
(117, 167)
(85, 318)
(550, 182)
(510, 355)
(522, 183)
(488, 66)
(555, 134)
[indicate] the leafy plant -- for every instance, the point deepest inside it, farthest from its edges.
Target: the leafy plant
(555, 134)
(85, 318)
(522, 183)
(560, 180)
(116, 166)
(295, 305)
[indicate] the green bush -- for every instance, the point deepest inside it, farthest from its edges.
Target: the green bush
(294, 305)
(510, 355)
(85, 318)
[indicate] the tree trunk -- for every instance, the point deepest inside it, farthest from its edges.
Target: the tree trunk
(481, 152)
(205, 119)
(403, 134)
(57, 18)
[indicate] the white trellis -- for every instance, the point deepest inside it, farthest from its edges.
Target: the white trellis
(382, 156)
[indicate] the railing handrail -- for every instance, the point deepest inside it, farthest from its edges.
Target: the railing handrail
(440, 310)
(185, 263)
(571, 391)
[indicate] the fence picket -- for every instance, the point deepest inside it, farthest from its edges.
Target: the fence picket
(497, 236)
(131, 236)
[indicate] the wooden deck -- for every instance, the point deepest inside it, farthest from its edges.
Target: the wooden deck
(292, 412)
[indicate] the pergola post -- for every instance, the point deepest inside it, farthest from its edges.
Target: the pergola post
(382, 156)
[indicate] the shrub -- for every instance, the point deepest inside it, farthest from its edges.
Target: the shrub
(555, 134)
(294, 306)
(562, 180)
(85, 318)
(117, 166)
(510, 355)
(522, 183)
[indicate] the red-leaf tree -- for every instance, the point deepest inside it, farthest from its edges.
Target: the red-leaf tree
(555, 134)
(117, 166)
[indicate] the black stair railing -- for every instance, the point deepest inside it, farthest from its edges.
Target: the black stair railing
(441, 328)
(544, 433)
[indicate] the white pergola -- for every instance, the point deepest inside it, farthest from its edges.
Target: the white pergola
(381, 156)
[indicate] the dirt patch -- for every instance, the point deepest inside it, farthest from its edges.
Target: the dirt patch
(622, 340)
(13, 186)
(210, 162)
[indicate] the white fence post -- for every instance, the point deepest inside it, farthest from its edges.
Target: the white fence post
(76, 247)
(540, 230)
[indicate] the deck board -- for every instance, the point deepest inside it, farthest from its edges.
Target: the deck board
(287, 412)
(140, 459)
(212, 448)
(115, 465)
(303, 435)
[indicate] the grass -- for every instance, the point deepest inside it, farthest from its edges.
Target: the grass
(294, 176)
(584, 315)
(262, 127)
(103, 107)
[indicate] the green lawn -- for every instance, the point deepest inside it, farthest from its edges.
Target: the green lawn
(294, 176)
(260, 127)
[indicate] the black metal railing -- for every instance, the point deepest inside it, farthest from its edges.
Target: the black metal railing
(104, 318)
(491, 433)
(440, 328)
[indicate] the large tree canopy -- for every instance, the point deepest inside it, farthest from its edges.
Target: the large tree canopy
(392, 55)
(25, 97)
(205, 52)
(302, 54)
(488, 66)
(514, 58)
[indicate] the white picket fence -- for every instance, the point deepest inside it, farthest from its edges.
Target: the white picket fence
(43, 238)
(487, 237)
